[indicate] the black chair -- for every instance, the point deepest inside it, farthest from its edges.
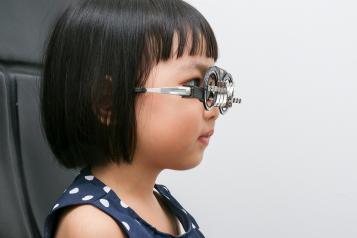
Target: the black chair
(30, 178)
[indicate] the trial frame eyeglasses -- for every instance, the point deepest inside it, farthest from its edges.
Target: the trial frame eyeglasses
(217, 91)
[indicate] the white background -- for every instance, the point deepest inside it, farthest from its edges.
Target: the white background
(283, 163)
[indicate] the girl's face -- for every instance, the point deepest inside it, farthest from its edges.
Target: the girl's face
(169, 126)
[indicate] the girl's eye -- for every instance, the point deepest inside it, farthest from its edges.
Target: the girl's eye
(194, 82)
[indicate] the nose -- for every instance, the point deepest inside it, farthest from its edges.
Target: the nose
(213, 114)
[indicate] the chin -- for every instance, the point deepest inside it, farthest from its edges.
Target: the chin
(188, 163)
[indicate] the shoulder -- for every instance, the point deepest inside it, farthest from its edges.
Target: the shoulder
(87, 221)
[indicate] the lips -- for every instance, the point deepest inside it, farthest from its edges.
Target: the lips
(204, 138)
(207, 134)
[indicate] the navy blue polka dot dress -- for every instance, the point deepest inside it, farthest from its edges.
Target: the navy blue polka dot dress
(87, 189)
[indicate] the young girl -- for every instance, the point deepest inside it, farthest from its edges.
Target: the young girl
(103, 60)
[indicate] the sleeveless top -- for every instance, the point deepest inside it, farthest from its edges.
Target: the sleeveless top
(87, 189)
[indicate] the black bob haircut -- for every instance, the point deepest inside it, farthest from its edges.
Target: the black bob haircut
(121, 40)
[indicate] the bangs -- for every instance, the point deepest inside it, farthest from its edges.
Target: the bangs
(173, 42)
(172, 29)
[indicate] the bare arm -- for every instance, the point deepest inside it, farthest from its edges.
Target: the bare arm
(87, 221)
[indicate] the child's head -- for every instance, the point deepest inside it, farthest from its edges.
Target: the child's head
(98, 52)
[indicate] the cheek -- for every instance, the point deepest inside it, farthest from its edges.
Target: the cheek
(168, 126)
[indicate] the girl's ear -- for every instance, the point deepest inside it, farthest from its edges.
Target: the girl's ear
(102, 99)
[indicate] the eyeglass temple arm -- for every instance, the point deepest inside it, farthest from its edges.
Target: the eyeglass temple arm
(186, 91)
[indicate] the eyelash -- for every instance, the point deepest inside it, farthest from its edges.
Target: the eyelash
(195, 80)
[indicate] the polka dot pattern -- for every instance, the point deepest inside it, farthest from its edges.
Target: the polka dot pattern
(126, 225)
(123, 204)
(55, 206)
(107, 189)
(88, 197)
(104, 202)
(99, 195)
(74, 191)
(89, 177)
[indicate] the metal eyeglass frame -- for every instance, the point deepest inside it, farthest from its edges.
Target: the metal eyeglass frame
(217, 90)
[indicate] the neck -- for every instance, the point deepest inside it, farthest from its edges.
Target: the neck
(133, 182)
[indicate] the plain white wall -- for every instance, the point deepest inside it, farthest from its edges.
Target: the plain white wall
(283, 163)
